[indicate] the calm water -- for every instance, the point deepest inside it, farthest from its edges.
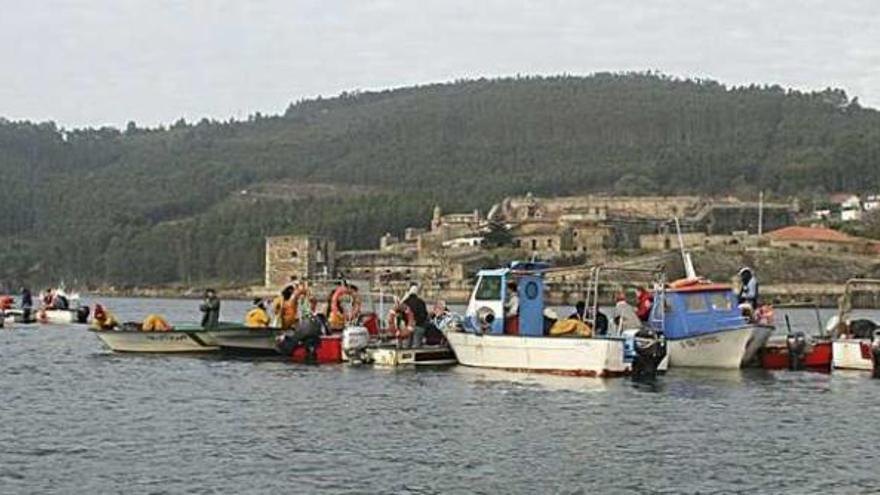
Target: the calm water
(75, 418)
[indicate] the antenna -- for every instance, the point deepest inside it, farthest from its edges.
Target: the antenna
(689, 271)
(761, 213)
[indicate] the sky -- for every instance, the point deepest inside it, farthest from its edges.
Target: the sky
(107, 62)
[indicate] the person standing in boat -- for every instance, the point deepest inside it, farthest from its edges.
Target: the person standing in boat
(625, 317)
(284, 309)
(27, 304)
(210, 309)
(420, 313)
(748, 291)
(645, 301)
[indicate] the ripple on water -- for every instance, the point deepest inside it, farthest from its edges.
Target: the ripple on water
(75, 418)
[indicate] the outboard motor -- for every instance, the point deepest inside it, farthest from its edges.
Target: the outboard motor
(797, 350)
(354, 343)
(82, 314)
(875, 355)
(650, 350)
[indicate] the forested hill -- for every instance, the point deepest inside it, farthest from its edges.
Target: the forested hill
(193, 202)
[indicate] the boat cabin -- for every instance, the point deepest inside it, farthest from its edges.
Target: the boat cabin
(493, 290)
(697, 309)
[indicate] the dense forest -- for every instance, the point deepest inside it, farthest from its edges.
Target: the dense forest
(193, 202)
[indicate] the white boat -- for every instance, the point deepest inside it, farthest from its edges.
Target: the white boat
(182, 339)
(520, 344)
(851, 347)
(600, 357)
(393, 356)
(359, 346)
(58, 316)
(851, 354)
(728, 348)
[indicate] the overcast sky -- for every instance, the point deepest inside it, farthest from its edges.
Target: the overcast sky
(96, 62)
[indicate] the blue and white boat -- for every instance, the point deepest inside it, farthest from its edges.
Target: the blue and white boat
(704, 326)
(487, 339)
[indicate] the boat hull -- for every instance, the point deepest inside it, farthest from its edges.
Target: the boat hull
(157, 342)
(774, 356)
(423, 356)
(246, 340)
(852, 354)
(57, 316)
(329, 351)
(729, 349)
(600, 357)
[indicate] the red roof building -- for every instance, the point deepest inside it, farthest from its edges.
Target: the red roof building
(821, 239)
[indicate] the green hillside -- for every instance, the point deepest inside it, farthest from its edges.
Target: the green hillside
(194, 201)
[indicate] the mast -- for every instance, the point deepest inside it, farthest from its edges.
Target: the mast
(760, 213)
(689, 271)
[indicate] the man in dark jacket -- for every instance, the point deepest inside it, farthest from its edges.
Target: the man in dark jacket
(210, 309)
(27, 304)
(420, 312)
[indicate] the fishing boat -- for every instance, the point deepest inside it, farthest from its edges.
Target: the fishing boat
(704, 324)
(797, 350)
(486, 339)
(17, 317)
(181, 338)
(854, 337)
(705, 328)
(360, 346)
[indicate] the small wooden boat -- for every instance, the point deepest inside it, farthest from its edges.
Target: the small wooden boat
(852, 347)
(183, 338)
(392, 355)
(816, 356)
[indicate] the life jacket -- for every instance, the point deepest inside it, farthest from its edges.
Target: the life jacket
(288, 314)
(401, 321)
(571, 327)
(646, 300)
(155, 323)
(257, 318)
(339, 315)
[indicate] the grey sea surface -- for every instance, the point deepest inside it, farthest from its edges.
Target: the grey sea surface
(76, 418)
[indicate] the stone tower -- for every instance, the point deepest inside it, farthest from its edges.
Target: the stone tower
(300, 256)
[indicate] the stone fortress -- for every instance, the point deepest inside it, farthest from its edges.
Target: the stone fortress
(568, 230)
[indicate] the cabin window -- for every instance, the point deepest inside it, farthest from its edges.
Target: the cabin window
(696, 303)
(489, 289)
(720, 302)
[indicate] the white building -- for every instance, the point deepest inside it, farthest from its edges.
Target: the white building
(872, 202)
(851, 209)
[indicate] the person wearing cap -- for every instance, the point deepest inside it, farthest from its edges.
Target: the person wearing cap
(210, 309)
(103, 319)
(257, 317)
(748, 291)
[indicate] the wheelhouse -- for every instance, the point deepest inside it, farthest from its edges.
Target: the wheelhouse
(698, 309)
(491, 292)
